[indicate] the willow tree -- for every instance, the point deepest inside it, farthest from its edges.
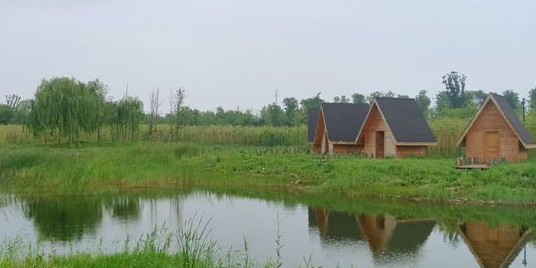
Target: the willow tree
(128, 115)
(65, 108)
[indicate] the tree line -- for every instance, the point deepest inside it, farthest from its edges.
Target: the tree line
(66, 109)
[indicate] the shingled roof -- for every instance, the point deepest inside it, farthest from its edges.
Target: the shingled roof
(405, 120)
(509, 115)
(312, 119)
(343, 120)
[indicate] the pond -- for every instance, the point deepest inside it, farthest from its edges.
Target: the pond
(326, 236)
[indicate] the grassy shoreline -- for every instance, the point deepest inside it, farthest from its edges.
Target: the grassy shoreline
(92, 169)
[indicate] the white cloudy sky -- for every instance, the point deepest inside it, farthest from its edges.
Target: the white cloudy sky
(233, 53)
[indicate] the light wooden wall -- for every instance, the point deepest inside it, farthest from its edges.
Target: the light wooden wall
(347, 149)
(492, 245)
(490, 119)
(375, 123)
(403, 151)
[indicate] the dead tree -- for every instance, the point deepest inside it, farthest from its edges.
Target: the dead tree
(153, 117)
(176, 101)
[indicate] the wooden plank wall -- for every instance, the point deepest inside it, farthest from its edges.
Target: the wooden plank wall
(375, 123)
(490, 119)
(347, 149)
(403, 151)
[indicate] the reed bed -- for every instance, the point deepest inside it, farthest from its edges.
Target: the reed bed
(447, 131)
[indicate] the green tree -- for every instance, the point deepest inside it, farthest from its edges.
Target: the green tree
(22, 111)
(291, 111)
(311, 103)
(442, 102)
(273, 115)
(379, 94)
(479, 97)
(423, 101)
(455, 88)
(6, 114)
(66, 108)
(341, 99)
(358, 98)
(513, 99)
(128, 115)
(532, 99)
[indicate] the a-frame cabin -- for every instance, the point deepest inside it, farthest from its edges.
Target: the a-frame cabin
(495, 133)
(312, 119)
(337, 127)
(395, 127)
(494, 247)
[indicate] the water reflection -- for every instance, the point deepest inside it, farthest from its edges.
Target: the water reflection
(388, 238)
(126, 208)
(361, 239)
(62, 219)
(494, 247)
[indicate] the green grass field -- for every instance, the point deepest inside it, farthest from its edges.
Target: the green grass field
(92, 169)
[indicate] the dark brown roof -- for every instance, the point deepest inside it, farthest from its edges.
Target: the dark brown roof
(343, 120)
(511, 117)
(405, 120)
(312, 118)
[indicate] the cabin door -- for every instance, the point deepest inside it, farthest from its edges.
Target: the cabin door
(380, 144)
(491, 146)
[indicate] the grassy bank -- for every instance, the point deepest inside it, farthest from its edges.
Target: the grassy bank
(41, 170)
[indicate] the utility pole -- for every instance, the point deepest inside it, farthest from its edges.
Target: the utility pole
(524, 256)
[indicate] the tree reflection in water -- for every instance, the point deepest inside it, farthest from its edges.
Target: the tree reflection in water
(64, 219)
(125, 208)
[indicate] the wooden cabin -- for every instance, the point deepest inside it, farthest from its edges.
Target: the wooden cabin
(387, 235)
(337, 127)
(334, 225)
(389, 238)
(395, 127)
(312, 119)
(494, 247)
(495, 133)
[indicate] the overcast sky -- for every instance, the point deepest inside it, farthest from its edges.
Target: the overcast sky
(233, 53)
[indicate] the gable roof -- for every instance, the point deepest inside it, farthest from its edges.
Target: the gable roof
(343, 120)
(312, 118)
(405, 121)
(493, 255)
(509, 115)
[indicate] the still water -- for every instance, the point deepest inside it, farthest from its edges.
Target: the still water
(326, 236)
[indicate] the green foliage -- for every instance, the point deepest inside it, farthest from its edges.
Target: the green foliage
(478, 96)
(447, 131)
(126, 117)
(6, 114)
(358, 98)
(532, 99)
(513, 99)
(454, 88)
(423, 101)
(341, 99)
(66, 107)
(378, 94)
(273, 115)
(292, 112)
(311, 103)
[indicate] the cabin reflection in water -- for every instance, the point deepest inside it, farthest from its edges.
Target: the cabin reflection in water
(388, 238)
(334, 226)
(494, 247)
